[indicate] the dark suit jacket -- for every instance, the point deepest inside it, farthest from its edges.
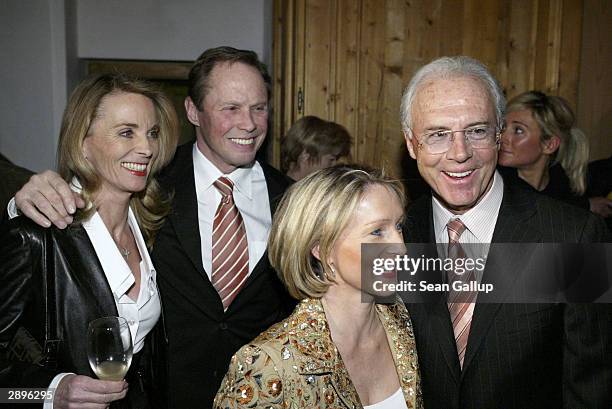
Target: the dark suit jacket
(200, 338)
(12, 177)
(81, 290)
(518, 355)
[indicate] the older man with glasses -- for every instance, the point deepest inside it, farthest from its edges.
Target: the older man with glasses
(474, 354)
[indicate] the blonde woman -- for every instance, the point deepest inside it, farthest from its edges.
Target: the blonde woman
(542, 147)
(116, 134)
(339, 348)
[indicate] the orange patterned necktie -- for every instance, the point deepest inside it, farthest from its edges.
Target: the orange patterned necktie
(460, 311)
(230, 251)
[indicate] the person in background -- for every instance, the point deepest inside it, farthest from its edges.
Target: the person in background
(541, 147)
(116, 135)
(217, 286)
(339, 348)
(313, 143)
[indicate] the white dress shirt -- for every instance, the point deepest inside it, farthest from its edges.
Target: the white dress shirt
(141, 314)
(251, 198)
(479, 221)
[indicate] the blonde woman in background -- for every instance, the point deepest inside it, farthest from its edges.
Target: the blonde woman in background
(542, 147)
(339, 348)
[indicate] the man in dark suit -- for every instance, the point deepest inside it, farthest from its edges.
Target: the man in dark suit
(210, 308)
(228, 105)
(490, 355)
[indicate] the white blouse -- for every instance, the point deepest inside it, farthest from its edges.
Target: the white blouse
(395, 401)
(141, 314)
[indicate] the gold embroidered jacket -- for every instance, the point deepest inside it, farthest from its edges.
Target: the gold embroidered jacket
(294, 364)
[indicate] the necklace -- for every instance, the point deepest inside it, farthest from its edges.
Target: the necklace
(124, 252)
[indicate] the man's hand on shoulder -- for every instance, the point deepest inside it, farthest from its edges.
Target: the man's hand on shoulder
(47, 198)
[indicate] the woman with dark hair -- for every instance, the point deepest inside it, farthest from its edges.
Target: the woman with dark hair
(116, 134)
(542, 148)
(311, 144)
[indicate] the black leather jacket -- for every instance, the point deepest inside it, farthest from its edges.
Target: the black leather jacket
(82, 294)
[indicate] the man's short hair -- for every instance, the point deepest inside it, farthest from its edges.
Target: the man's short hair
(452, 67)
(203, 66)
(315, 136)
(315, 211)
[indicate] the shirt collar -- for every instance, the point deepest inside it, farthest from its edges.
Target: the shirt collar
(117, 271)
(479, 220)
(207, 173)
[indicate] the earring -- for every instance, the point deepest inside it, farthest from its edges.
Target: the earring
(333, 271)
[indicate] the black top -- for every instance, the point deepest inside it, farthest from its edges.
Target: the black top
(599, 177)
(558, 185)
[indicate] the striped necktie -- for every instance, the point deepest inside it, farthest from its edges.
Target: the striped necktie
(230, 251)
(460, 304)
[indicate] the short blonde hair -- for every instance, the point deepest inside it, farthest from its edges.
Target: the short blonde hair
(151, 205)
(315, 211)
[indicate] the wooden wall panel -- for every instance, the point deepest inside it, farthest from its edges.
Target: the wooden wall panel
(595, 86)
(368, 138)
(358, 55)
(450, 32)
(520, 50)
(571, 38)
(282, 71)
(346, 92)
(480, 18)
(319, 21)
(502, 41)
(392, 142)
(298, 61)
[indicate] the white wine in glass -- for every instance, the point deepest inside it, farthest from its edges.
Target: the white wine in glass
(109, 347)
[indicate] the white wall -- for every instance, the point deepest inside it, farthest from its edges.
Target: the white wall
(169, 30)
(33, 78)
(41, 41)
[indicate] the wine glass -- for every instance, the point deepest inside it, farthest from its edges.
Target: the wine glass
(109, 347)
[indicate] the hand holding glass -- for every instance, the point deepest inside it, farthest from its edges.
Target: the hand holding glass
(109, 347)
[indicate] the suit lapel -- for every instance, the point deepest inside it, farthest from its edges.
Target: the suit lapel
(184, 216)
(419, 229)
(442, 328)
(502, 269)
(184, 219)
(276, 185)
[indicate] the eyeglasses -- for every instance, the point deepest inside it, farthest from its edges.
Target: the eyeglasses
(479, 137)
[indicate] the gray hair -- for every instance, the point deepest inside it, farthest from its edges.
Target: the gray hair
(452, 67)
